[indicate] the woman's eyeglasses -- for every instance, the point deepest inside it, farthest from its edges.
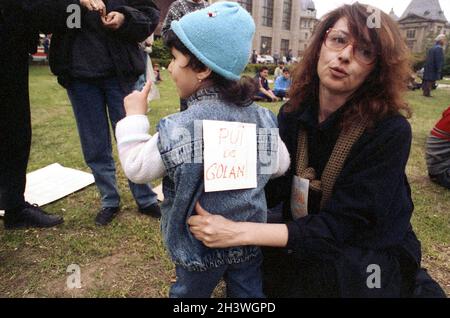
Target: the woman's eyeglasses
(337, 40)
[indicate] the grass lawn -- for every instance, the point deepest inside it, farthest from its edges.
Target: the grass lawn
(127, 258)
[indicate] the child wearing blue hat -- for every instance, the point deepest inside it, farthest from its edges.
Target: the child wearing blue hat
(209, 55)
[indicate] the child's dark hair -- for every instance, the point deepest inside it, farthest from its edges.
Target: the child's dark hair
(239, 92)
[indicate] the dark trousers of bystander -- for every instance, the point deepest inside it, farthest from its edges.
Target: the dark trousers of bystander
(15, 123)
(426, 87)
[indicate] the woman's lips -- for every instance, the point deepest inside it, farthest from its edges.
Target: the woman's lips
(338, 72)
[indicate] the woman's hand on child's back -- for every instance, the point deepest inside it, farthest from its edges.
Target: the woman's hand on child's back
(136, 103)
(214, 230)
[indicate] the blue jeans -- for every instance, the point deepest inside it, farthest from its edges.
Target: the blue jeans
(94, 102)
(243, 280)
(280, 93)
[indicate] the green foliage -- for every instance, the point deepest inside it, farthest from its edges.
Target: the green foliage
(160, 51)
(446, 69)
(418, 61)
(161, 62)
(254, 68)
(160, 54)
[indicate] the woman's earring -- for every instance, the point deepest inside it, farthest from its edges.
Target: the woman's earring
(200, 80)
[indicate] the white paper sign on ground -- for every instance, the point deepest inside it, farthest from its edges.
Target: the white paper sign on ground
(54, 182)
(229, 155)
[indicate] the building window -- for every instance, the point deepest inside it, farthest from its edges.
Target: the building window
(306, 35)
(284, 47)
(246, 4)
(287, 12)
(411, 34)
(266, 45)
(267, 18)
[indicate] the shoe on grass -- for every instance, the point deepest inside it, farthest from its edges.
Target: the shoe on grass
(30, 215)
(152, 210)
(106, 215)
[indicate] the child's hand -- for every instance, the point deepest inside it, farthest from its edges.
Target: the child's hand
(136, 103)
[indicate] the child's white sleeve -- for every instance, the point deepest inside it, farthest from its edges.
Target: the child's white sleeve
(284, 159)
(138, 150)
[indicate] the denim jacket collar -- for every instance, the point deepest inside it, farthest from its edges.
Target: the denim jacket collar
(208, 93)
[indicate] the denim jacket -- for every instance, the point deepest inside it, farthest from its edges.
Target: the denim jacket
(181, 147)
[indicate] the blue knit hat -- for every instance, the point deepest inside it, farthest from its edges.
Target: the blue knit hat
(220, 36)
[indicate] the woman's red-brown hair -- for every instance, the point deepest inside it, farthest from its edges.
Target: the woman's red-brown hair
(382, 93)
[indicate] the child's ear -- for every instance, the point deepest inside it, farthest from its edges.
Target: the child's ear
(203, 75)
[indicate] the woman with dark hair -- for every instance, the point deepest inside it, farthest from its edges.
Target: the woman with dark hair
(347, 205)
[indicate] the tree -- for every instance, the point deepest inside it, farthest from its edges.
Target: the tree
(160, 51)
(446, 69)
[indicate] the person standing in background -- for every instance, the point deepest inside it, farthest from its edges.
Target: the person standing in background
(434, 64)
(289, 57)
(99, 65)
(276, 57)
(20, 23)
(254, 58)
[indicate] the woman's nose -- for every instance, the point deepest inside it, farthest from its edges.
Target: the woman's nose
(346, 54)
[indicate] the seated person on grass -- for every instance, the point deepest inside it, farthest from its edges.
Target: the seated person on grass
(438, 151)
(282, 84)
(279, 69)
(265, 93)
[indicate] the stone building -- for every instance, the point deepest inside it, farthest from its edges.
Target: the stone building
(421, 22)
